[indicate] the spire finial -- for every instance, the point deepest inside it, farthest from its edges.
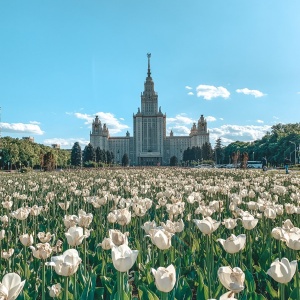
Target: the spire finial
(149, 72)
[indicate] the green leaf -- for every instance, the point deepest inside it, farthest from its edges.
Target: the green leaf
(271, 290)
(263, 259)
(146, 294)
(250, 283)
(183, 290)
(293, 295)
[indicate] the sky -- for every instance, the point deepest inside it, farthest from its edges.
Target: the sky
(62, 62)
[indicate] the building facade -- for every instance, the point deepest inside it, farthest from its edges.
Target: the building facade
(150, 145)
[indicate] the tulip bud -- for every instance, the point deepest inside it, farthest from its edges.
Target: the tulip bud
(26, 239)
(55, 290)
(165, 278)
(282, 271)
(123, 257)
(232, 279)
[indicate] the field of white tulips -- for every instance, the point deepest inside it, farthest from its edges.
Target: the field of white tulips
(155, 233)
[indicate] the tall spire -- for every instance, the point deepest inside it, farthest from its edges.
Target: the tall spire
(149, 72)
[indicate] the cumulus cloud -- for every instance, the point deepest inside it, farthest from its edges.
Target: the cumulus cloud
(179, 130)
(114, 125)
(210, 119)
(21, 128)
(255, 93)
(188, 87)
(34, 122)
(231, 133)
(180, 124)
(66, 143)
(260, 121)
(190, 93)
(209, 91)
(181, 119)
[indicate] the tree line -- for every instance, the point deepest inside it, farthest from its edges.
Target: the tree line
(22, 153)
(282, 141)
(91, 157)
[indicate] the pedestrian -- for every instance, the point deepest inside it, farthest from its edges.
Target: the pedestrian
(264, 163)
(286, 165)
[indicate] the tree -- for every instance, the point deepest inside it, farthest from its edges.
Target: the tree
(76, 155)
(109, 157)
(98, 153)
(219, 155)
(125, 160)
(207, 153)
(173, 161)
(89, 153)
(49, 161)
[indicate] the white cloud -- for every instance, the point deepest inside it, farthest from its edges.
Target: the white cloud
(88, 118)
(209, 91)
(190, 93)
(35, 122)
(231, 133)
(210, 119)
(113, 124)
(179, 130)
(66, 143)
(21, 128)
(221, 119)
(180, 124)
(260, 121)
(181, 119)
(255, 93)
(188, 87)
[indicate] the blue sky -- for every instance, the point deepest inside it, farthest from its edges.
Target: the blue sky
(63, 62)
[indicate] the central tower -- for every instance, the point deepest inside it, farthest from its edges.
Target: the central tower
(149, 125)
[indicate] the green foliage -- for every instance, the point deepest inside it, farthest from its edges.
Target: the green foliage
(125, 160)
(76, 155)
(89, 153)
(20, 153)
(275, 145)
(173, 161)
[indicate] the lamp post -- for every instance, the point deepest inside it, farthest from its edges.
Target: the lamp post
(295, 149)
(253, 155)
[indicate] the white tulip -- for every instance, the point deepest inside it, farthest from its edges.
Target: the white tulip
(161, 238)
(123, 257)
(65, 264)
(232, 279)
(207, 225)
(117, 237)
(75, 236)
(282, 271)
(233, 244)
(11, 286)
(165, 278)
(292, 240)
(230, 223)
(26, 239)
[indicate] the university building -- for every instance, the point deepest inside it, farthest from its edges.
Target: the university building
(149, 145)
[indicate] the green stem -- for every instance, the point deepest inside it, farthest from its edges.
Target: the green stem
(281, 291)
(66, 287)
(163, 296)
(43, 280)
(208, 265)
(297, 282)
(120, 285)
(84, 254)
(161, 258)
